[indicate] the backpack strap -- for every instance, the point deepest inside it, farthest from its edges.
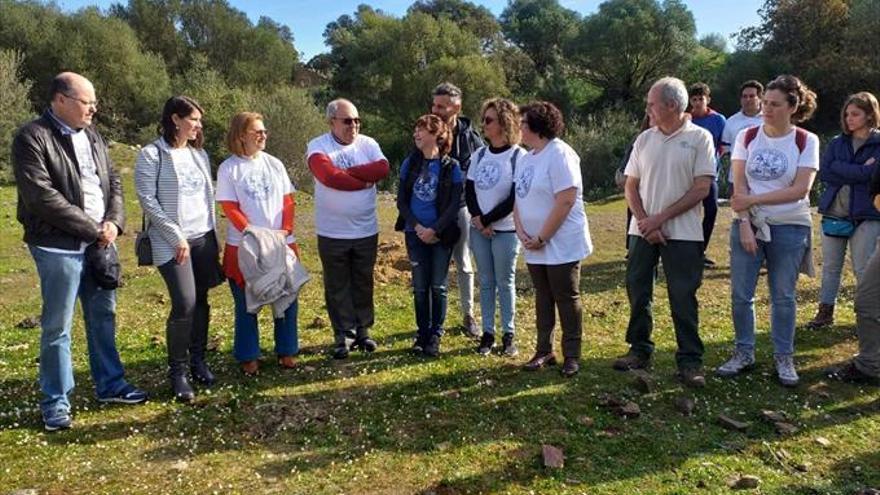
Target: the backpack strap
(800, 139)
(751, 134)
(481, 154)
(513, 159)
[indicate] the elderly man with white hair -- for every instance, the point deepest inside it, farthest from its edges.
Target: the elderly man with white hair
(669, 173)
(346, 166)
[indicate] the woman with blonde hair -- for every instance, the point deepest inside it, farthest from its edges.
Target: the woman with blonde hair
(849, 218)
(490, 193)
(428, 196)
(254, 190)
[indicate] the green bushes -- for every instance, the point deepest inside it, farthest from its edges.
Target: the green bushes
(16, 106)
(601, 140)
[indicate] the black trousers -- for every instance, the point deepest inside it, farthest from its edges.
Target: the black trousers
(348, 283)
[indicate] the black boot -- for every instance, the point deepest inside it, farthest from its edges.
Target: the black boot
(198, 346)
(177, 339)
(343, 341)
(363, 341)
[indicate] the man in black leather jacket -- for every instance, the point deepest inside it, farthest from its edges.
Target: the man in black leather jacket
(69, 196)
(446, 104)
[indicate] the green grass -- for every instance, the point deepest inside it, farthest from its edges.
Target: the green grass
(395, 423)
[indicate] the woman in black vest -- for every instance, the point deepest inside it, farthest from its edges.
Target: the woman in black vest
(428, 197)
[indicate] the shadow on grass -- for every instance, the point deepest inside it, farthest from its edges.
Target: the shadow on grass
(335, 414)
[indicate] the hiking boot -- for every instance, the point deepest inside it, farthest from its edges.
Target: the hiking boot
(487, 342)
(539, 361)
(824, 317)
(739, 362)
(692, 377)
(849, 372)
(570, 367)
(788, 377)
(469, 325)
(631, 361)
(363, 341)
(508, 348)
(432, 347)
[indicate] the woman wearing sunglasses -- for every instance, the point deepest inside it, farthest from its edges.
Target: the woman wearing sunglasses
(490, 194)
(254, 190)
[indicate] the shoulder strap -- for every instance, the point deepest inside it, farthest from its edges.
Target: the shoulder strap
(800, 139)
(481, 154)
(751, 134)
(513, 158)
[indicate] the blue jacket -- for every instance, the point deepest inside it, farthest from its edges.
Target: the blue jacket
(841, 167)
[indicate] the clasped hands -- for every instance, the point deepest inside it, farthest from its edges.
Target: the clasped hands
(426, 234)
(651, 228)
(487, 231)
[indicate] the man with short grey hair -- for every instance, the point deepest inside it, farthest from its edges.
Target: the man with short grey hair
(69, 198)
(669, 172)
(446, 104)
(347, 165)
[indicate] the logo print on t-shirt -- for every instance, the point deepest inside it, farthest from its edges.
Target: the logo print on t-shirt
(257, 185)
(524, 183)
(768, 164)
(425, 187)
(192, 181)
(488, 175)
(343, 160)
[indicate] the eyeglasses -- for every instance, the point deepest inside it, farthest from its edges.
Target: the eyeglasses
(349, 120)
(488, 120)
(260, 132)
(87, 103)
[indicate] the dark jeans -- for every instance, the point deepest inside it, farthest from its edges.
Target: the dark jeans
(557, 287)
(348, 283)
(710, 212)
(430, 270)
(683, 266)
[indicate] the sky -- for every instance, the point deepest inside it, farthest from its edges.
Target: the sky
(307, 19)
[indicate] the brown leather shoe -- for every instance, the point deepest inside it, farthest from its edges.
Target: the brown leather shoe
(692, 377)
(824, 317)
(570, 367)
(250, 368)
(287, 362)
(538, 361)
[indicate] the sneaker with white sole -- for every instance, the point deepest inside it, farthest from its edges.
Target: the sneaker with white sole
(739, 362)
(128, 395)
(788, 377)
(57, 422)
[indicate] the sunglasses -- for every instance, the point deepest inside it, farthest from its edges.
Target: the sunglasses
(349, 120)
(488, 120)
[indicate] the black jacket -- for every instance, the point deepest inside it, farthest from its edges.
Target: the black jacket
(50, 195)
(466, 141)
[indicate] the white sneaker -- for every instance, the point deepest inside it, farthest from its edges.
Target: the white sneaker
(785, 369)
(739, 362)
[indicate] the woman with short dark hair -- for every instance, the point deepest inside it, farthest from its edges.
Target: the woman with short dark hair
(173, 183)
(552, 226)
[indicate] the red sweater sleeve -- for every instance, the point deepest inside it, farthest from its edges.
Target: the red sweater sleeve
(370, 172)
(234, 214)
(287, 213)
(326, 173)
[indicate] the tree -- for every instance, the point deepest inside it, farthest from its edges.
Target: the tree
(628, 44)
(541, 28)
(154, 23)
(16, 107)
(468, 16)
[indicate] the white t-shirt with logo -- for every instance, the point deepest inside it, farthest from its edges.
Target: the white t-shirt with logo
(258, 186)
(493, 177)
(736, 123)
(194, 197)
(772, 163)
(539, 177)
(666, 166)
(345, 214)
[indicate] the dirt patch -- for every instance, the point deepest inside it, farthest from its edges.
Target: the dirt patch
(392, 264)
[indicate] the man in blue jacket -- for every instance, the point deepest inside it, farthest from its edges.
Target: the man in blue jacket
(69, 196)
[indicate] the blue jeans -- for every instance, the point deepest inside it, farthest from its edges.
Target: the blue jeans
(496, 268)
(430, 269)
(861, 245)
(783, 255)
(63, 278)
(246, 342)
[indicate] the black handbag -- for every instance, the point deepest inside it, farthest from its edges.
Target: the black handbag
(103, 265)
(143, 246)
